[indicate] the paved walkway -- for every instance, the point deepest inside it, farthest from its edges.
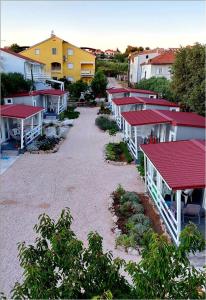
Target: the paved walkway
(76, 176)
(112, 82)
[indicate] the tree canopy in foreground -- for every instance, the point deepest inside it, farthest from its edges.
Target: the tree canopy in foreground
(58, 266)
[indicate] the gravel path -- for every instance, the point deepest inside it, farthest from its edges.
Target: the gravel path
(76, 176)
(112, 82)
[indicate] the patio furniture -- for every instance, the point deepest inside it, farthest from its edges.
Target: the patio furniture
(186, 194)
(192, 211)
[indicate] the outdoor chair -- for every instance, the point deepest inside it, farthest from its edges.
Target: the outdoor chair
(192, 211)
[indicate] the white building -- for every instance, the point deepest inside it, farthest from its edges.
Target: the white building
(11, 62)
(159, 66)
(135, 61)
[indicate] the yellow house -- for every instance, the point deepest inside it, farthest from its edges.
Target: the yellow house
(63, 59)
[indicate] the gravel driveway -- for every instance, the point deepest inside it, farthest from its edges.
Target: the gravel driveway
(76, 176)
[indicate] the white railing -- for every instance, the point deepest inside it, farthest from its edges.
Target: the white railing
(61, 108)
(38, 76)
(167, 215)
(132, 147)
(87, 73)
(118, 120)
(32, 134)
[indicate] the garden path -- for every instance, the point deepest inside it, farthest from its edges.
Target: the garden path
(77, 176)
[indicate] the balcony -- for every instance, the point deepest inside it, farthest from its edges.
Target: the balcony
(38, 76)
(87, 73)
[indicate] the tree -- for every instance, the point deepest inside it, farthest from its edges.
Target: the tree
(188, 80)
(77, 88)
(119, 57)
(99, 84)
(58, 266)
(14, 82)
(131, 49)
(161, 85)
(165, 271)
(15, 48)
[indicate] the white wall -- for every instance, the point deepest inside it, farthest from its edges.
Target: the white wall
(156, 71)
(133, 94)
(11, 63)
(135, 65)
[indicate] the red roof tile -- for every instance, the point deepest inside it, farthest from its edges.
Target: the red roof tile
(39, 92)
(181, 164)
(142, 100)
(20, 111)
(162, 59)
(21, 56)
(144, 117)
(129, 90)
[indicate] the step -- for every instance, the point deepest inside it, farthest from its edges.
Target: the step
(10, 153)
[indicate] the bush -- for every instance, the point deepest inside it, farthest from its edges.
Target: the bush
(104, 110)
(138, 208)
(120, 191)
(70, 113)
(126, 152)
(126, 240)
(140, 166)
(104, 123)
(129, 196)
(140, 218)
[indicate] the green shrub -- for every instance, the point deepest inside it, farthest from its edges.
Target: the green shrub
(104, 123)
(126, 209)
(126, 240)
(104, 110)
(140, 166)
(140, 229)
(126, 152)
(70, 113)
(120, 191)
(137, 208)
(110, 152)
(129, 196)
(140, 218)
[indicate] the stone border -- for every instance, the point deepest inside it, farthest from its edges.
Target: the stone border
(116, 163)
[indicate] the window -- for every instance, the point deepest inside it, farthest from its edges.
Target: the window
(147, 56)
(54, 51)
(55, 66)
(70, 78)
(70, 51)
(70, 65)
(151, 96)
(160, 70)
(34, 102)
(145, 74)
(37, 51)
(8, 101)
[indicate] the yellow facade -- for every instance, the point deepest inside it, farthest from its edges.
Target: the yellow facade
(63, 59)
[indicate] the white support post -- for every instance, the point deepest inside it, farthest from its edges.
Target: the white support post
(178, 197)
(22, 133)
(135, 141)
(58, 105)
(7, 125)
(32, 122)
(40, 121)
(145, 173)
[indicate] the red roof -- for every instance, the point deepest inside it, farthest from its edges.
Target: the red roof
(20, 111)
(181, 164)
(141, 100)
(21, 56)
(166, 58)
(145, 117)
(129, 90)
(39, 92)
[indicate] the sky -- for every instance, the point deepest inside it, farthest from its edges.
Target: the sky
(104, 24)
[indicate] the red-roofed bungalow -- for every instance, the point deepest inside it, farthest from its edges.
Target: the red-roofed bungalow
(154, 126)
(52, 100)
(113, 93)
(124, 104)
(20, 124)
(175, 180)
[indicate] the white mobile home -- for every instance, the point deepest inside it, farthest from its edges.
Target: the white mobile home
(178, 192)
(154, 126)
(120, 105)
